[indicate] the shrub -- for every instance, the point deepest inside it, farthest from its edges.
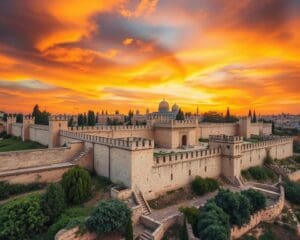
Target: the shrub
(69, 218)
(268, 160)
(213, 223)
(259, 173)
(108, 216)
(7, 189)
(257, 200)
(77, 185)
(292, 191)
(22, 218)
(236, 205)
(129, 231)
(201, 186)
(53, 201)
(267, 236)
(191, 214)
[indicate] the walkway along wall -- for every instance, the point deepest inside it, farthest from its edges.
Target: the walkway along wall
(38, 165)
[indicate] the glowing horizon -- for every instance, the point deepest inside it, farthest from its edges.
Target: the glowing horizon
(130, 54)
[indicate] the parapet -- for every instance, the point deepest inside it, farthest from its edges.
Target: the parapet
(269, 142)
(28, 117)
(125, 143)
(58, 118)
(108, 128)
(176, 123)
(172, 157)
(225, 138)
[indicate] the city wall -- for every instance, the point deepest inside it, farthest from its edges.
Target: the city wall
(38, 157)
(253, 154)
(39, 133)
(17, 129)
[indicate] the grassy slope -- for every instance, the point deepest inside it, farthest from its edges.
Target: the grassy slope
(15, 144)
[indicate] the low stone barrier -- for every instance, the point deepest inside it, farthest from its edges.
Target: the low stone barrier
(72, 234)
(294, 176)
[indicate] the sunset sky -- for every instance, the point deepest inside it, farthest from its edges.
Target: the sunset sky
(71, 56)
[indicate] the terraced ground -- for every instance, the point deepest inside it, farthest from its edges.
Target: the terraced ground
(15, 144)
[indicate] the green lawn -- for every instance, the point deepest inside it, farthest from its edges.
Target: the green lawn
(15, 144)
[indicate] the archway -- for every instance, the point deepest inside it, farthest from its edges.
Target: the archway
(183, 140)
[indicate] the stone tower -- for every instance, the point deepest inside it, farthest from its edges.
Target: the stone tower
(10, 121)
(27, 121)
(56, 123)
(231, 155)
(244, 127)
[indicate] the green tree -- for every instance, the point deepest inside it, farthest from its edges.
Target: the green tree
(40, 117)
(80, 119)
(91, 118)
(53, 201)
(257, 200)
(180, 115)
(213, 223)
(77, 185)
(70, 122)
(108, 216)
(201, 186)
(235, 205)
(129, 231)
(254, 117)
(22, 218)
(85, 120)
(19, 118)
(292, 191)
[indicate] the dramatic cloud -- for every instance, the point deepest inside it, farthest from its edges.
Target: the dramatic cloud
(70, 56)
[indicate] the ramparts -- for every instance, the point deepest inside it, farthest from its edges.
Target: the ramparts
(176, 124)
(173, 158)
(127, 143)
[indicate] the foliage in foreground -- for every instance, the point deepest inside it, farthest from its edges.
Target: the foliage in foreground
(77, 185)
(22, 218)
(236, 205)
(108, 216)
(292, 191)
(53, 201)
(256, 198)
(259, 173)
(213, 223)
(9, 189)
(201, 186)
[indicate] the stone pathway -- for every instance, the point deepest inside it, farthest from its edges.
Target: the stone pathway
(160, 214)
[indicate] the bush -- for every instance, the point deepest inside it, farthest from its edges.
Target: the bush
(22, 218)
(268, 160)
(201, 186)
(53, 201)
(259, 173)
(268, 236)
(108, 216)
(129, 231)
(236, 205)
(292, 191)
(257, 200)
(69, 219)
(77, 185)
(213, 223)
(7, 189)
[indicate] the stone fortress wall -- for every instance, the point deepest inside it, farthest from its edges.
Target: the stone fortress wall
(126, 153)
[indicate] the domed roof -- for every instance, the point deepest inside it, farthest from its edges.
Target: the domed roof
(175, 108)
(163, 106)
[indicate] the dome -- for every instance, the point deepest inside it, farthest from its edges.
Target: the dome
(175, 108)
(163, 106)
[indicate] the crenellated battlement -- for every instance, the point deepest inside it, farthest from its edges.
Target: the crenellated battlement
(125, 143)
(108, 128)
(176, 123)
(28, 117)
(225, 138)
(58, 118)
(172, 158)
(267, 143)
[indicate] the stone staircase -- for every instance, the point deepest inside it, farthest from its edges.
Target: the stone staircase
(146, 235)
(141, 200)
(81, 155)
